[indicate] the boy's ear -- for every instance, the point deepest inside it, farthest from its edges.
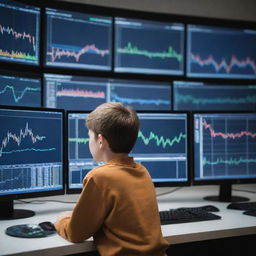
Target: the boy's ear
(102, 141)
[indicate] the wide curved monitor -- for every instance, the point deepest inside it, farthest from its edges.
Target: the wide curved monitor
(19, 32)
(85, 93)
(31, 155)
(224, 150)
(221, 52)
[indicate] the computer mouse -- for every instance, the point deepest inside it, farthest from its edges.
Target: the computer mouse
(210, 208)
(47, 226)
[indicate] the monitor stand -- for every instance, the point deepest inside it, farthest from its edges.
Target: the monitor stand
(9, 213)
(225, 195)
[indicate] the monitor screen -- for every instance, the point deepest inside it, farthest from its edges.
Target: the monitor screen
(141, 95)
(31, 152)
(189, 95)
(152, 47)
(74, 92)
(161, 147)
(19, 90)
(221, 52)
(80, 160)
(19, 32)
(78, 40)
(224, 147)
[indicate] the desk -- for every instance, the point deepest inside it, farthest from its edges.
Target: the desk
(232, 224)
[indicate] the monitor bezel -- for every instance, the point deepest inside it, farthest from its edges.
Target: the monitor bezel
(156, 184)
(214, 181)
(41, 193)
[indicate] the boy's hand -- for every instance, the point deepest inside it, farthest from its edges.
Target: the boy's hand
(63, 215)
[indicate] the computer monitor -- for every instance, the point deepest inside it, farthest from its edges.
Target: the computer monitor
(141, 95)
(218, 52)
(188, 95)
(74, 92)
(162, 147)
(19, 32)
(20, 89)
(148, 47)
(31, 156)
(224, 151)
(78, 40)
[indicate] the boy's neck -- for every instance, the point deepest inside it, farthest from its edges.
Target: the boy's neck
(111, 155)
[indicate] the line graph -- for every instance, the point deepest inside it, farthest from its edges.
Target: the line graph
(224, 65)
(134, 50)
(161, 135)
(19, 33)
(81, 93)
(141, 95)
(230, 161)
(205, 96)
(218, 100)
(17, 98)
(227, 135)
(57, 53)
(17, 138)
(140, 101)
(79, 140)
(160, 140)
(30, 136)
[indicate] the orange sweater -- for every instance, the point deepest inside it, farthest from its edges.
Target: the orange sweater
(118, 208)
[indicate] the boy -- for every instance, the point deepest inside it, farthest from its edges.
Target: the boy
(117, 205)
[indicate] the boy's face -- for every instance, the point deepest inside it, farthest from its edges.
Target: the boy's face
(94, 146)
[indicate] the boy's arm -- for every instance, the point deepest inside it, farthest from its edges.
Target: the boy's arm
(87, 216)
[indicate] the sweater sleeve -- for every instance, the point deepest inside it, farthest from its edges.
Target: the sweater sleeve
(88, 214)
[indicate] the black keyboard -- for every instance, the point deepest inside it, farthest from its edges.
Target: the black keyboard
(245, 206)
(183, 215)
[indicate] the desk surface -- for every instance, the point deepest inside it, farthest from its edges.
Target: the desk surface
(233, 223)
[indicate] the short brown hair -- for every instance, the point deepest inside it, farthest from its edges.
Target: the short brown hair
(119, 124)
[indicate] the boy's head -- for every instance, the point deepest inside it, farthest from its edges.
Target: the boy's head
(117, 123)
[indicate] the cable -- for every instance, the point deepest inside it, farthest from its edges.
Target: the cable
(44, 201)
(168, 192)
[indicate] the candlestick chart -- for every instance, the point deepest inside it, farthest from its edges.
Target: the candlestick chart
(228, 145)
(87, 46)
(148, 48)
(19, 34)
(215, 52)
